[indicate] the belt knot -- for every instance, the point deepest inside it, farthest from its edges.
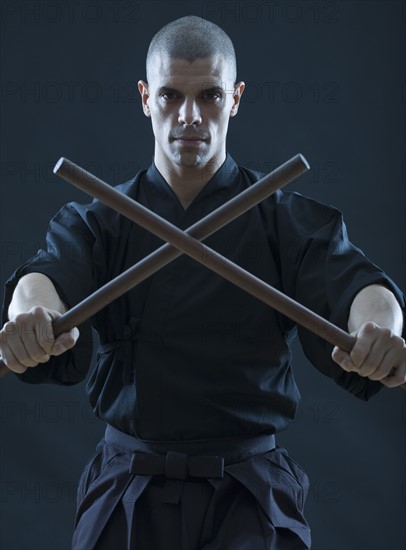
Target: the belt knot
(176, 467)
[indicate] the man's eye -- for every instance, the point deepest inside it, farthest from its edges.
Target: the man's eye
(168, 96)
(212, 96)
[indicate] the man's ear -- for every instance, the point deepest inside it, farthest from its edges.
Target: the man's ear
(238, 91)
(144, 93)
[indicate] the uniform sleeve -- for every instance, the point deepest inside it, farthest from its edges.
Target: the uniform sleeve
(74, 261)
(324, 271)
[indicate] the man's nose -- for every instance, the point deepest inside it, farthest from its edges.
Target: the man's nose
(189, 113)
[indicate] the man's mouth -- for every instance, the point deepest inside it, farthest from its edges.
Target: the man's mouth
(189, 137)
(191, 141)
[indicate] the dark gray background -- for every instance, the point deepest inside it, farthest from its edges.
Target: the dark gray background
(324, 78)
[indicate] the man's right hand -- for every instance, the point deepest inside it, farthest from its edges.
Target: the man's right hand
(28, 339)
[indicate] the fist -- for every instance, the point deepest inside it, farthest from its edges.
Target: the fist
(378, 354)
(28, 340)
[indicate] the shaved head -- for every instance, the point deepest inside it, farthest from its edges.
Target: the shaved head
(191, 38)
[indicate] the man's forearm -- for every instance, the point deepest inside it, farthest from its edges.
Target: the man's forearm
(377, 304)
(32, 290)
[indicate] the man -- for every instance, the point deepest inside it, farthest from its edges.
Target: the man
(193, 376)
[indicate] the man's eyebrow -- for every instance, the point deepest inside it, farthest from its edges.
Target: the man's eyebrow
(213, 89)
(207, 88)
(166, 89)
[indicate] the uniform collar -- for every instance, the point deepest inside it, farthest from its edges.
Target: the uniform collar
(158, 190)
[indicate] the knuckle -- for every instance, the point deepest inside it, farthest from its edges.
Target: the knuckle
(400, 343)
(396, 378)
(37, 310)
(20, 318)
(392, 382)
(357, 355)
(370, 365)
(39, 313)
(376, 375)
(386, 333)
(38, 357)
(369, 328)
(28, 362)
(9, 329)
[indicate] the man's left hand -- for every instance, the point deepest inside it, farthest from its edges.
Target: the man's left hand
(378, 354)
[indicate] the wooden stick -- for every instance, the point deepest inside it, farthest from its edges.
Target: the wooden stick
(158, 259)
(203, 254)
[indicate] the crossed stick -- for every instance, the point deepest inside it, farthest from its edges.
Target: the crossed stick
(188, 242)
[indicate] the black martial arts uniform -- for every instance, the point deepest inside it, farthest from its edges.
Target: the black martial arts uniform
(193, 375)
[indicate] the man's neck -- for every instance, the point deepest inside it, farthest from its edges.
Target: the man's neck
(187, 182)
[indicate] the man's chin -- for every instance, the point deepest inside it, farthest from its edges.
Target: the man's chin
(189, 160)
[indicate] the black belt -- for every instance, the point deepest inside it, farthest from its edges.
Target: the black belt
(178, 460)
(177, 465)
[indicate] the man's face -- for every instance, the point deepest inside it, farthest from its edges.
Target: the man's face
(190, 105)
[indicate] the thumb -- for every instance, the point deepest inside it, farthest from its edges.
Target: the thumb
(65, 341)
(342, 358)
